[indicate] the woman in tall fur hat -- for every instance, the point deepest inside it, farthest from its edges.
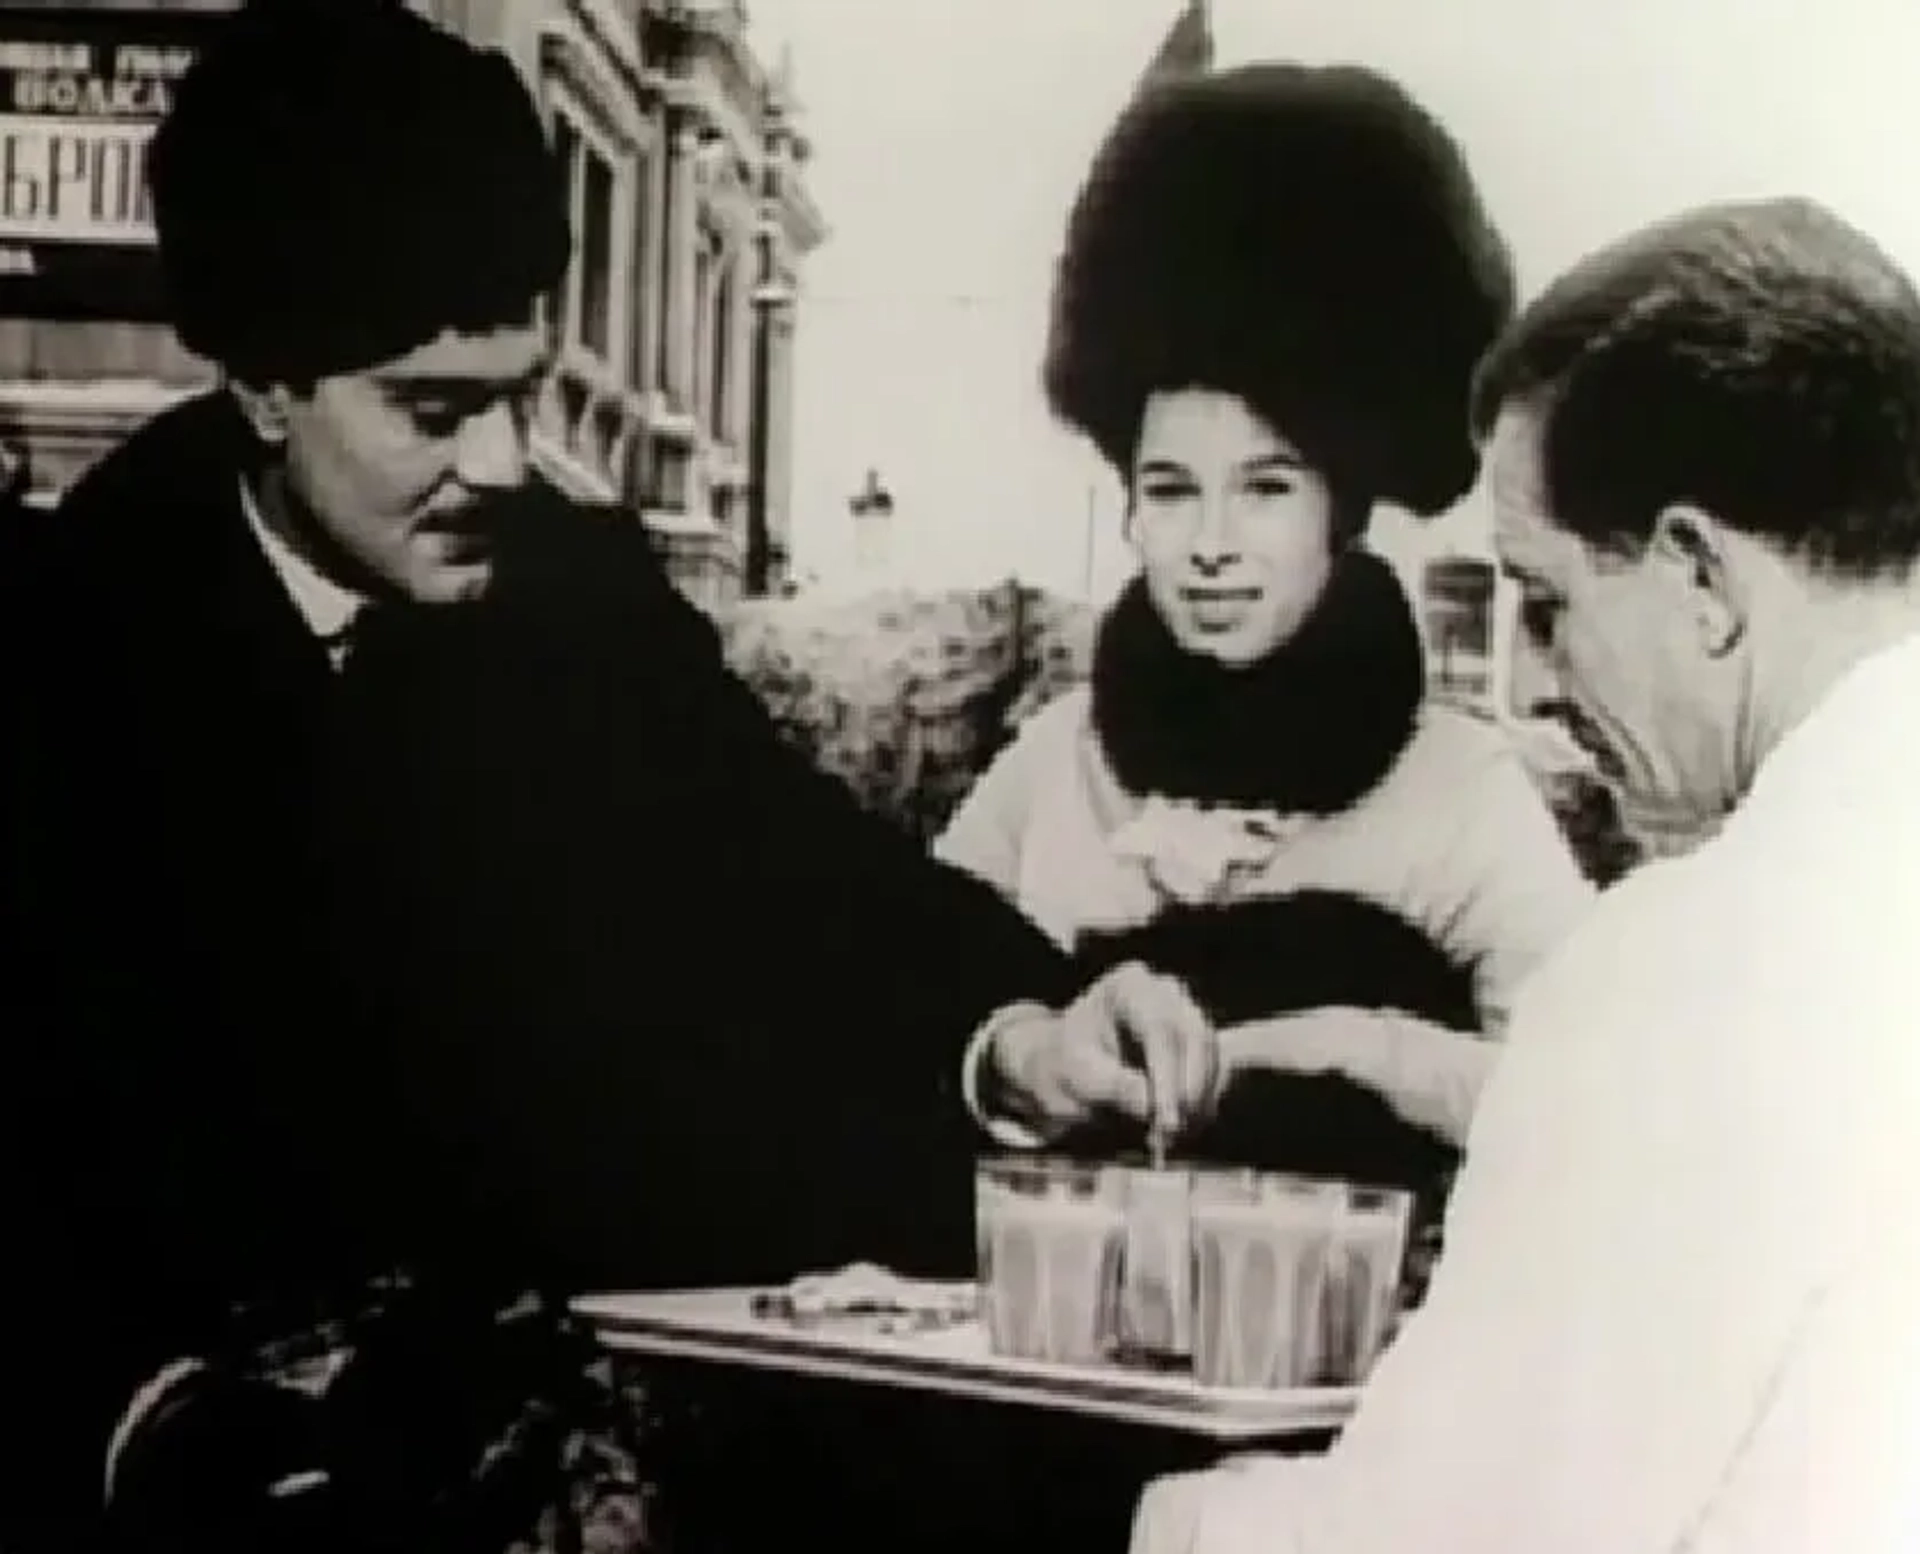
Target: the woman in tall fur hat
(1275, 285)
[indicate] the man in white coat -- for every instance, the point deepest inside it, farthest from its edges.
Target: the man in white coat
(1680, 1306)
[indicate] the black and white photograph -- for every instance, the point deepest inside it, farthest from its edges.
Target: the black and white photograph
(1097, 777)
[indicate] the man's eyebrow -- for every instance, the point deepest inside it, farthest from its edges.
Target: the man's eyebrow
(424, 386)
(457, 386)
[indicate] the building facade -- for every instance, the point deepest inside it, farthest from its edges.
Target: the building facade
(676, 324)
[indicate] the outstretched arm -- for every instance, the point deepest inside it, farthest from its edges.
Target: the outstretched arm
(1431, 1076)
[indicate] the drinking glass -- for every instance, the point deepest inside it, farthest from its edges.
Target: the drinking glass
(1156, 1275)
(1051, 1238)
(1368, 1248)
(1261, 1249)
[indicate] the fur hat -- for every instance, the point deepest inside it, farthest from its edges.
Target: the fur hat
(340, 181)
(1306, 238)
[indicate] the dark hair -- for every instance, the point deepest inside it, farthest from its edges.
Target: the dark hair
(1307, 239)
(1758, 359)
(341, 181)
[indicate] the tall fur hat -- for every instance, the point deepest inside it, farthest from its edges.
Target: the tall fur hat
(1306, 238)
(340, 181)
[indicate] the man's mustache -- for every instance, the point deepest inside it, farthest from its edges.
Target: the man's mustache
(471, 517)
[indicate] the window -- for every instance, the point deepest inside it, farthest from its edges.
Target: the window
(714, 294)
(720, 412)
(566, 139)
(673, 174)
(703, 264)
(639, 373)
(598, 194)
(596, 254)
(672, 487)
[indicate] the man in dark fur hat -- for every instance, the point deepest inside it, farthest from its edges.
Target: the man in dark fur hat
(394, 874)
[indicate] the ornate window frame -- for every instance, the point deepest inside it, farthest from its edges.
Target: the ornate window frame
(592, 411)
(606, 122)
(718, 378)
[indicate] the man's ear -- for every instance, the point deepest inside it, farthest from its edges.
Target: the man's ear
(265, 410)
(1690, 544)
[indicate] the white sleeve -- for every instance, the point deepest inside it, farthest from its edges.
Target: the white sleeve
(1002, 1130)
(1250, 1505)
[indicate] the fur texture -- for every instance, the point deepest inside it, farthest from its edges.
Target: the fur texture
(1311, 728)
(1306, 238)
(1304, 951)
(341, 180)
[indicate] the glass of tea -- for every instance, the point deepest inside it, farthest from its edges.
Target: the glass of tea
(1262, 1245)
(1156, 1271)
(1364, 1263)
(1052, 1238)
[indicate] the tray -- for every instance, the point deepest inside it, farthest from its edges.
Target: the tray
(721, 1327)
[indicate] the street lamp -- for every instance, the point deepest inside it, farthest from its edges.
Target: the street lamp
(872, 497)
(872, 510)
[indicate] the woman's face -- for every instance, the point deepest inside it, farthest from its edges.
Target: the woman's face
(1232, 529)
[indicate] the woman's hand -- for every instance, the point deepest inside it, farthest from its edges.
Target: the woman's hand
(1135, 1042)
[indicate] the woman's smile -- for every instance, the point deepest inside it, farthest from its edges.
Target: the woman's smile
(1216, 608)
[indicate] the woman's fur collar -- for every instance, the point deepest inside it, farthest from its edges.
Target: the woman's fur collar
(1311, 728)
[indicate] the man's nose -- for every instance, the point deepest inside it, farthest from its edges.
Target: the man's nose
(492, 451)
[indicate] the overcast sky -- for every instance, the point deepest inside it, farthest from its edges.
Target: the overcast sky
(950, 136)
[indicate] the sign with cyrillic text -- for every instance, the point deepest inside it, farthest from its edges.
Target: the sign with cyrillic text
(81, 93)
